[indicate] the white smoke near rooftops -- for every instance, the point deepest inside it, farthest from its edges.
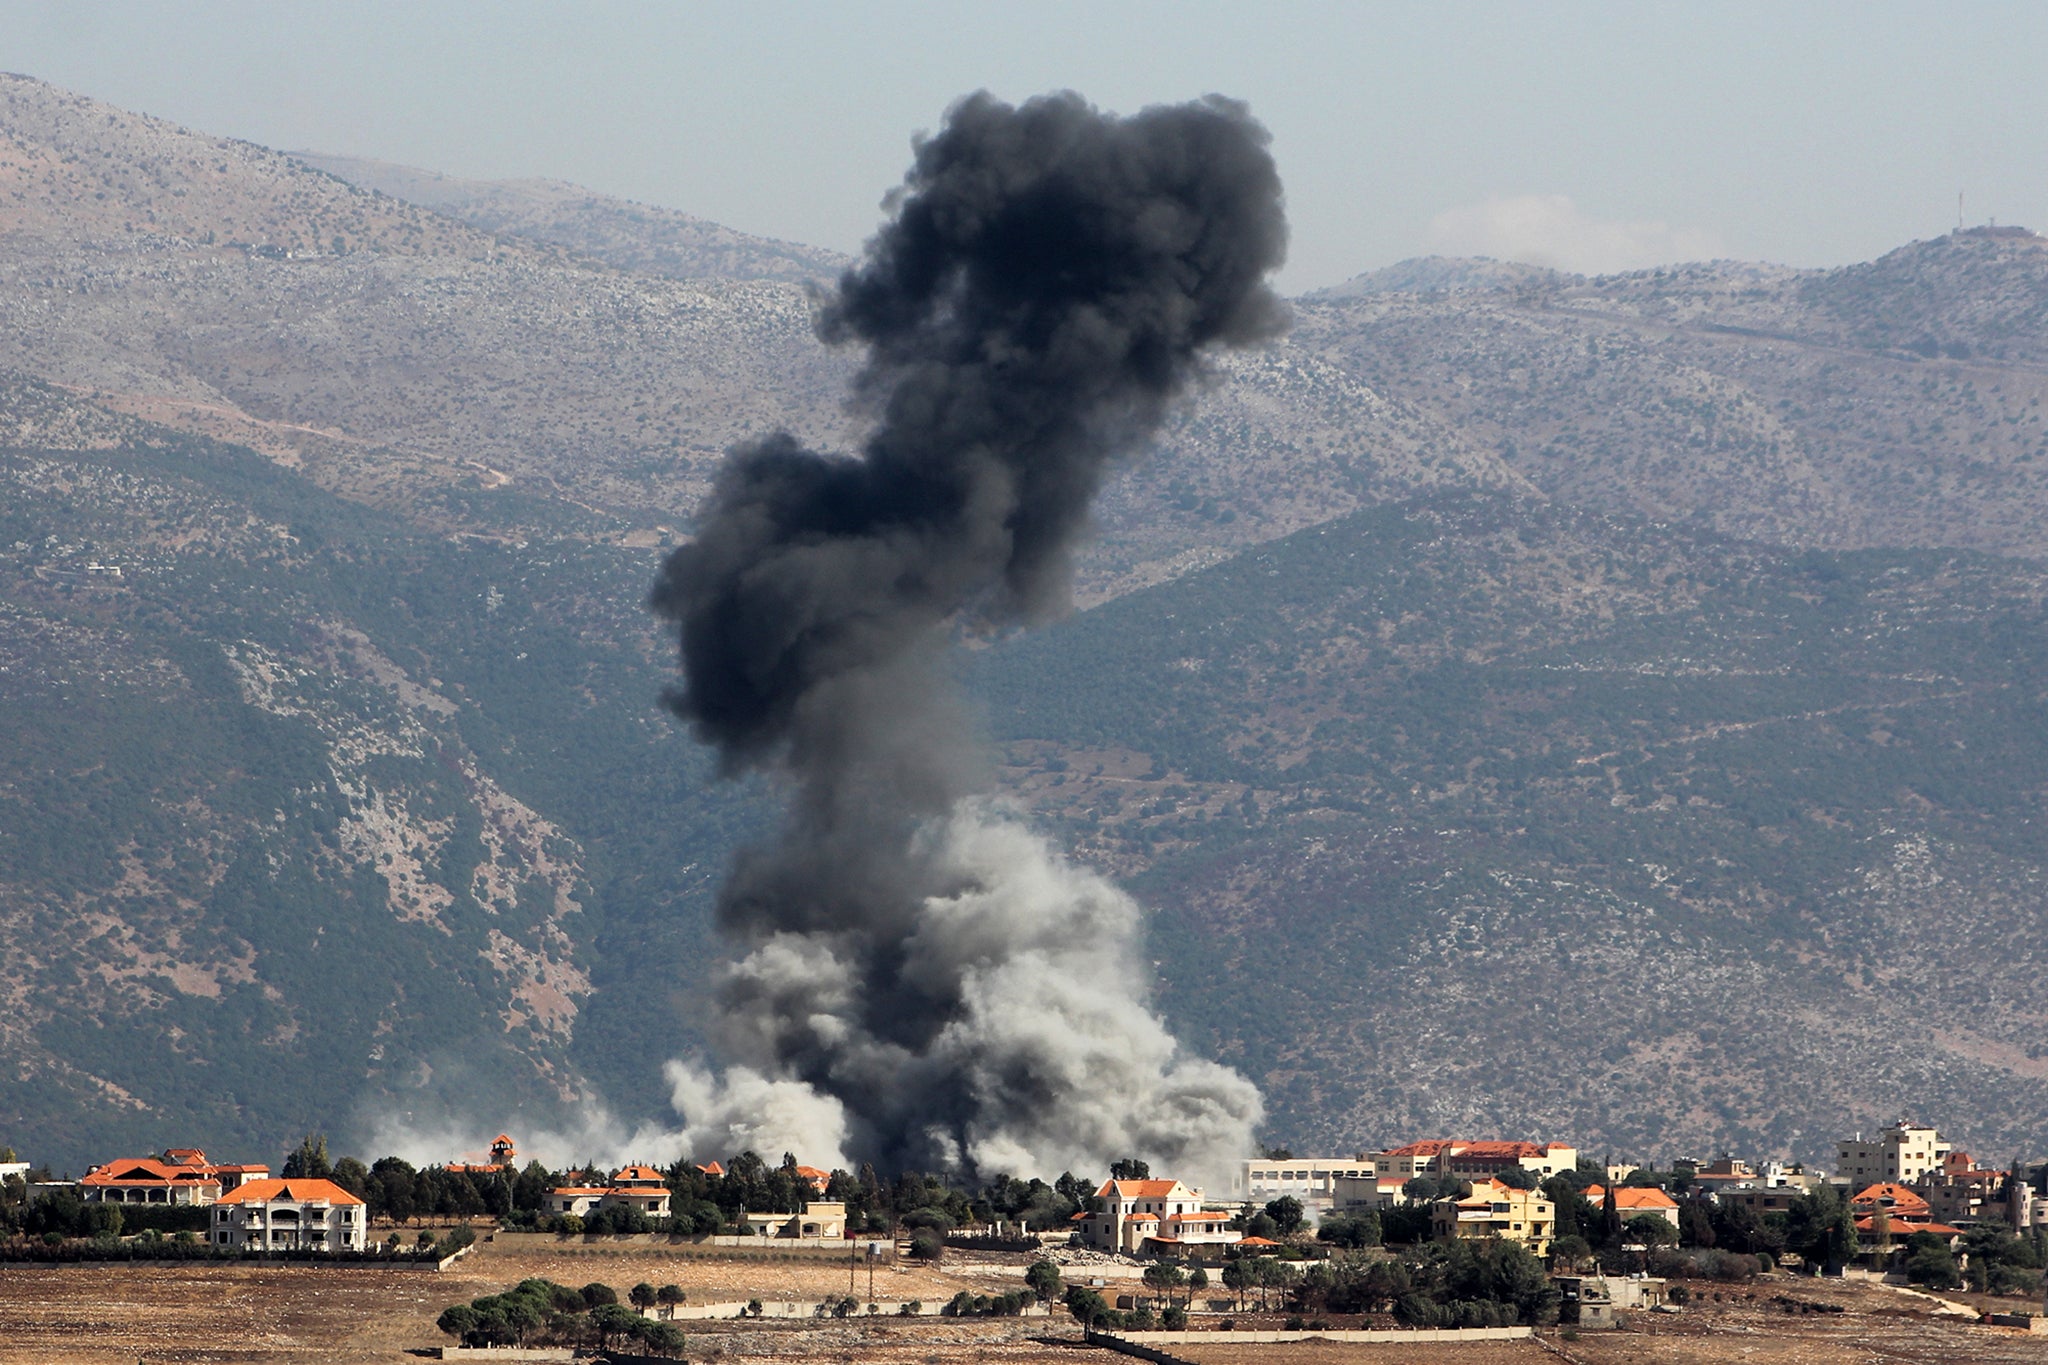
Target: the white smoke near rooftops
(745, 1111)
(1551, 231)
(593, 1133)
(1050, 1056)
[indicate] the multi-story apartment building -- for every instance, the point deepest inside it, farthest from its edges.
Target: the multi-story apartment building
(1497, 1210)
(1900, 1155)
(1312, 1180)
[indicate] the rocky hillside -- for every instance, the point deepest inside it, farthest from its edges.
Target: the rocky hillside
(630, 236)
(1546, 820)
(1532, 704)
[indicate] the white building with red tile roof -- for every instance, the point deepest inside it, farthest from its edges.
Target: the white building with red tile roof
(183, 1176)
(290, 1215)
(1151, 1217)
(641, 1188)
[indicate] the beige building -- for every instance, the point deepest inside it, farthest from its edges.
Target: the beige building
(1496, 1210)
(1151, 1217)
(1899, 1155)
(290, 1215)
(1313, 1180)
(641, 1188)
(817, 1219)
(1450, 1158)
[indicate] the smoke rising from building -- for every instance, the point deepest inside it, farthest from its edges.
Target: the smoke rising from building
(922, 970)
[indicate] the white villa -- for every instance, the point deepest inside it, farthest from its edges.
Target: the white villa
(290, 1215)
(1153, 1217)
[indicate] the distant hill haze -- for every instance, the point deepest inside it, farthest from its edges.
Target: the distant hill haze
(1535, 705)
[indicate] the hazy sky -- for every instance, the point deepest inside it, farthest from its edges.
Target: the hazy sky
(1596, 136)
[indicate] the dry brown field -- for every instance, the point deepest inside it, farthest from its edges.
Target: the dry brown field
(232, 1314)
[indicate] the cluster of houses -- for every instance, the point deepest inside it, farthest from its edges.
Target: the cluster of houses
(1902, 1181)
(250, 1208)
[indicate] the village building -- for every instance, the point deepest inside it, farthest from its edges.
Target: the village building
(1961, 1191)
(504, 1160)
(1497, 1210)
(1630, 1201)
(818, 1218)
(640, 1188)
(1887, 1213)
(290, 1215)
(1901, 1154)
(1761, 1199)
(1153, 1217)
(1592, 1301)
(183, 1176)
(1453, 1159)
(1358, 1194)
(1484, 1160)
(1311, 1180)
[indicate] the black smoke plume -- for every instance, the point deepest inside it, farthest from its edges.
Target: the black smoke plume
(1046, 289)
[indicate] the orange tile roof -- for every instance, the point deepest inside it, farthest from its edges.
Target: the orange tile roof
(1257, 1242)
(1905, 1227)
(712, 1168)
(639, 1173)
(575, 1191)
(1136, 1189)
(1428, 1147)
(1501, 1149)
(1902, 1200)
(297, 1190)
(147, 1171)
(1633, 1197)
(1205, 1217)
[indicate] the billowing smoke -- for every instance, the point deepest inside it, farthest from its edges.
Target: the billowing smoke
(920, 963)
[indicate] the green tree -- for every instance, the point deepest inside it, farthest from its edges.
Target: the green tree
(352, 1175)
(1821, 1227)
(1650, 1230)
(1238, 1277)
(1130, 1168)
(1930, 1262)
(1287, 1214)
(1043, 1277)
(457, 1321)
(1163, 1278)
(308, 1161)
(1350, 1231)
(642, 1296)
(613, 1322)
(670, 1297)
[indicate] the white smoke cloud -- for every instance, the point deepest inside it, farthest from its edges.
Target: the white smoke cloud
(1051, 1058)
(745, 1111)
(1550, 230)
(593, 1133)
